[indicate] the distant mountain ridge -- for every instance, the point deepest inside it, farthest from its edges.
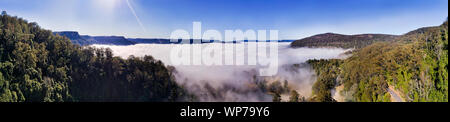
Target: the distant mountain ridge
(342, 41)
(112, 40)
(150, 41)
(75, 37)
(83, 40)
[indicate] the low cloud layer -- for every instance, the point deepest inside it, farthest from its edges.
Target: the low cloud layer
(237, 83)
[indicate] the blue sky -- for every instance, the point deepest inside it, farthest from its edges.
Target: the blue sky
(294, 19)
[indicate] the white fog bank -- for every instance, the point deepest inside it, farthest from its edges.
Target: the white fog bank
(236, 83)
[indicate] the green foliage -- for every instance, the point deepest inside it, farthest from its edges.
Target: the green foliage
(327, 72)
(295, 97)
(37, 66)
(278, 87)
(386, 98)
(276, 97)
(416, 65)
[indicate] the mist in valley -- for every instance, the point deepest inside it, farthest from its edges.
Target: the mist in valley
(233, 83)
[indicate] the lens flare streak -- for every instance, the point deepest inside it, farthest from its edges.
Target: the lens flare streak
(135, 15)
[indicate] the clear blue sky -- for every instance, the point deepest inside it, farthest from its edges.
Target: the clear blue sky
(293, 18)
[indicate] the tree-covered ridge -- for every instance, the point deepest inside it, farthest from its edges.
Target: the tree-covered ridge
(416, 65)
(327, 72)
(37, 66)
(342, 41)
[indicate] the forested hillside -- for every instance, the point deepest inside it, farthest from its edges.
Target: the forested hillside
(342, 41)
(37, 66)
(327, 72)
(416, 65)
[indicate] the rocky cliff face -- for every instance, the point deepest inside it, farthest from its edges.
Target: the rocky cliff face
(82, 40)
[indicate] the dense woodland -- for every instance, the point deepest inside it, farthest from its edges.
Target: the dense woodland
(37, 66)
(416, 64)
(327, 72)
